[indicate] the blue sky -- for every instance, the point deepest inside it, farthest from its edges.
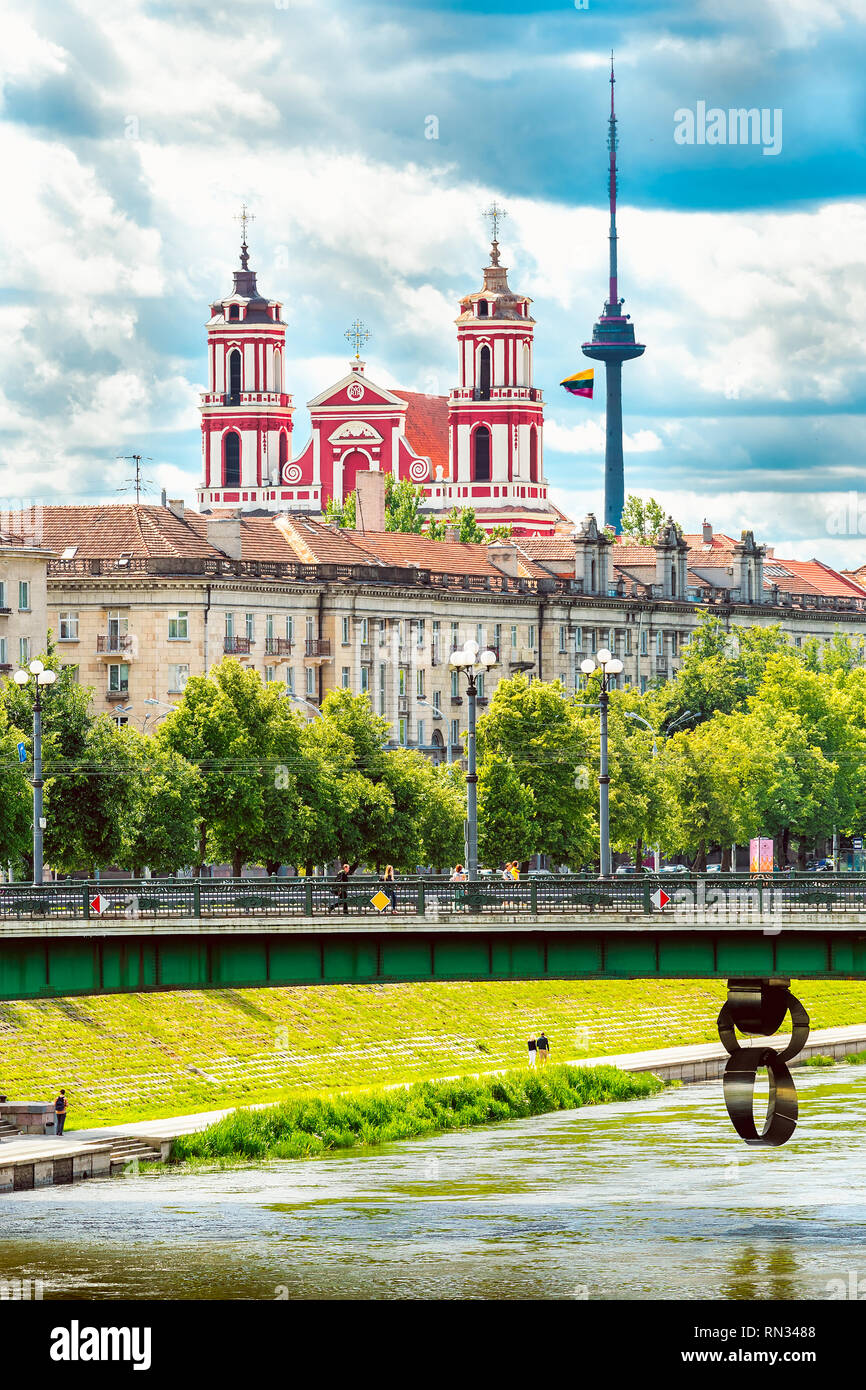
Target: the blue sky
(132, 133)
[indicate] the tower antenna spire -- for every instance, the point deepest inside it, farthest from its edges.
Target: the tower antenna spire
(613, 293)
(495, 215)
(613, 342)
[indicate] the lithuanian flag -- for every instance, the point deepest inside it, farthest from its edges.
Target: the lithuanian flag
(580, 384)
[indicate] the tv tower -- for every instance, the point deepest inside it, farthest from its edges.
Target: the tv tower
(613, 343)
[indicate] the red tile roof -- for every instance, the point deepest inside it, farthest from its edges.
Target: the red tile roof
(104, 532)
(427, 427)
(810, 576)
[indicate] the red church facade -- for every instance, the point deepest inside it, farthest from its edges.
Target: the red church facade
(479, 447)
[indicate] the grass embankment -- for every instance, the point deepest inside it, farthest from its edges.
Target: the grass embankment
(821, 1059)
(141, 1056)
(315, 1124)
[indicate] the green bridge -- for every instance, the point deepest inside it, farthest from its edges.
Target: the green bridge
(78, 939)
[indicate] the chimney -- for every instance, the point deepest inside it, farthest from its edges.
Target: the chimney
(452, 534)
(370, 501)
(176, 506)
(503, 554)
(224, 533)
(708, 532)
(164, 502)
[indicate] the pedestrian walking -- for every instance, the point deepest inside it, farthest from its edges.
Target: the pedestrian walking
(342, 892)
(533, 1049)
(543, 1048)
(457, 874)
(60, 1109)
(390, 890)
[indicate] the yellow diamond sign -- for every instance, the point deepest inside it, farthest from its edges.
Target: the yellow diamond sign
(380, 901)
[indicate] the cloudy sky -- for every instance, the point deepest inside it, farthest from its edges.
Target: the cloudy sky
(132, 133)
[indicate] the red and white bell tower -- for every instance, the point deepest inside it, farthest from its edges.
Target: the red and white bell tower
(495, 414)
(246, 415)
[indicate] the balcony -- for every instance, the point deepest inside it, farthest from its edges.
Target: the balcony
(522, 659)
(237, 646)
(4, 612)
(457, 699)
(117, 696)
(317, 649)
(115, 644)
(278, 646)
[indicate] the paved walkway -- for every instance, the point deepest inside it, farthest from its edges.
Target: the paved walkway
(695, 1061)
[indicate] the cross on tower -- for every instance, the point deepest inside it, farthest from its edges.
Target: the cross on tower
(244, 217)
(357, 336)
(496, 214)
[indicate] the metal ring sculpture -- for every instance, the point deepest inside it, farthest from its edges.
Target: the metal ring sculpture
(760, 1006)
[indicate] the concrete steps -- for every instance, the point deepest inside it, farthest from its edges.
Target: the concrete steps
(8, 1130)
(126, 1149)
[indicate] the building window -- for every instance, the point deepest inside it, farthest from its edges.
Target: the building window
(643, 685)
(562, 638)
(578, 639)
(628, 641)
(420, 733)
(401, 633)
(250, 625)
(290, 680)
(177, 679)
(420, 635)
(514, 635)
(479, 685)
(2, 593)
(455, 733)
(481, 454)
(660, 644)
(497, 638)
(484, 378)
(673, 644)
(311, 680)
(346, 677)
(455, 636)
(178, 626)
(798, 641)
(230, 625)
(383, 632)
(419, 683)
(69, 627)
(437, 705)
(269, 626)
(455, 685)
(382, 670)
(119, 720)
(231, 459)
(531, 636)
(290, 629)
(118, 678)
(3, 657)
(644, 641)
(533, 455)
(365, 680)
(611, 640)
(24, 595)
(23, 650)
(402, 728)
(345, 629)
(270, 674)
(235, 367)
(401, 680)
(365, 631)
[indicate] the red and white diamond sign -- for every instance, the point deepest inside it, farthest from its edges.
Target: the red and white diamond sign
(659, 898)
(98, 904)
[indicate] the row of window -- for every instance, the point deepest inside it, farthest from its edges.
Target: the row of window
(24, 651)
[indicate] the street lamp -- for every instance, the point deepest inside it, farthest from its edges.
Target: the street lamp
(473, 663)
(41, 677)
(299, 700)
(610, 666)
(684, 718)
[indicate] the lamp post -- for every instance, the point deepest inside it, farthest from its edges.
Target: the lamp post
(473, 662)
(41, 677)
(610, 666)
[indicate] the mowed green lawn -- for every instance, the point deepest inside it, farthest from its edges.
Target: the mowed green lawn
(125, 1057)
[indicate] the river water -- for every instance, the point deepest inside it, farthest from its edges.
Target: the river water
(652, 1199)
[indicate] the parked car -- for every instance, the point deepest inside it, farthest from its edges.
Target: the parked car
(713, 869)
(673, 869)
(632, 869)
(820, 866)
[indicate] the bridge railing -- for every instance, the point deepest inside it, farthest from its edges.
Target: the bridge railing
(729, 897)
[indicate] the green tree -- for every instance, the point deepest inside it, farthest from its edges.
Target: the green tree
(90, 800)
(720, 669)
(641, 521)
(507, 827)
(441, 816)
(15, 799)
(161, 830)
(535, 727)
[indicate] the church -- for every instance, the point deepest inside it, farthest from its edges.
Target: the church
(481, 446)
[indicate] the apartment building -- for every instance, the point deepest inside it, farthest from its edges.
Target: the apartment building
(141, 597)
(23, 598)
